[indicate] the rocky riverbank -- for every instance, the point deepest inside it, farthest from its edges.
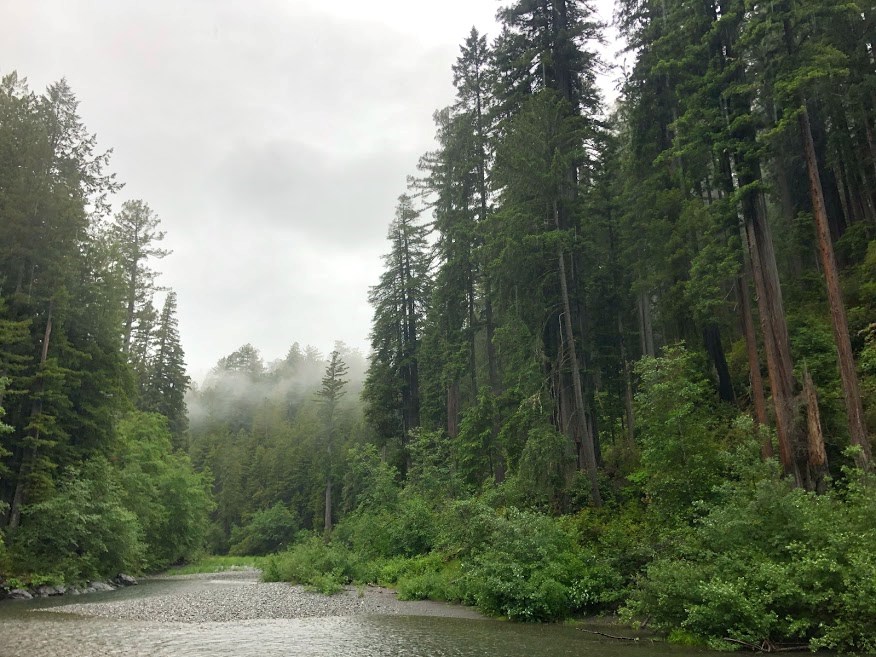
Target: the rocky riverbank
(241, 596)
(9, 591)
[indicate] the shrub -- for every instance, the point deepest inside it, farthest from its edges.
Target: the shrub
(269, 530)
(527, 572)
(82, 531)
(160, 487)
(677, 429)
(312, 562)
(771, 563)
(429, 576)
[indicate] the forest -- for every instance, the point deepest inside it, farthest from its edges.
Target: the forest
(623, 359)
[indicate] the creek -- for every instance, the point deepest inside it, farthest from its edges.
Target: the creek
(178, 617)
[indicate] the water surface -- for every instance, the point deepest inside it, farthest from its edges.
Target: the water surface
(28, 629)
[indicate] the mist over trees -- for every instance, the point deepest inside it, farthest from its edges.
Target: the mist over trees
(632, 347)
(274, 435)
(622, 359)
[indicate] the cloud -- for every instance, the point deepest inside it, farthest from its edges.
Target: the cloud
(290, 188)
(271, 137)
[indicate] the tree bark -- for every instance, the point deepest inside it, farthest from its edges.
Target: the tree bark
(817, 454)
(646, 330)
(775, 331)
(758, 398)
(629, 417)
(712, 340)
(588, 450)
(845, 357)
(453, 409)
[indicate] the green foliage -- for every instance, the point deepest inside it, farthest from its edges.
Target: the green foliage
(770, 563)
(312, 562)
(681, 459)
(169, 499)
(218, 564)
(369, 483)
(166, 379)
(269, 530)
(81, 532)
(529, 570)
(427, 577)
(432, 474)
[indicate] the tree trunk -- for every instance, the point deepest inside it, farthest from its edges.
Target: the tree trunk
(817, 455)
(646, 330)
(845, 357)
(775, 330)
(758, 398)
(712, 341)
(453, 409)
(129, 315)
(844, 192)
(629, 417)
(492, 362)
(588, 450)
(472, 348)
(327, 521)
(28, 461)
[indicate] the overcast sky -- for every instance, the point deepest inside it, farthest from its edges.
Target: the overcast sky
(272, 138)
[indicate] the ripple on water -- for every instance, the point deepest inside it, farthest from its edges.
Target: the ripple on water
(197, 618)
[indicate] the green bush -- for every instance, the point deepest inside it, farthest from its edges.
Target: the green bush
(161, 488)
(81, 532)
(407, 528)
(369, 533)
(312, 562)
(677, 427)
(771, 563)
(426, 577)
(527, 572)
(269, 530)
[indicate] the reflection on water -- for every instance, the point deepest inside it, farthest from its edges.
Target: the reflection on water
(27, 631)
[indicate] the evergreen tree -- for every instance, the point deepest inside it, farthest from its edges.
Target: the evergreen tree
(136, 235)
(392, 387)
(329, 394)
(167, 381)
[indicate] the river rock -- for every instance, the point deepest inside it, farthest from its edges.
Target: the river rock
(100, 586)
(45, 590)
(19, 594)
(124, 580)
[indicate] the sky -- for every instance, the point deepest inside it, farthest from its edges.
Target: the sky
(271, 137)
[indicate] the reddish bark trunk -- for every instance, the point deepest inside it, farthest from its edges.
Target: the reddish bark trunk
(845, 357)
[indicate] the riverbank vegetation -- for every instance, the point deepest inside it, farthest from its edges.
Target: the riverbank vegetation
(598, 382)
(93, 480)
(622, 360)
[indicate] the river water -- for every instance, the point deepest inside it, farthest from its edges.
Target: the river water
(47, 628)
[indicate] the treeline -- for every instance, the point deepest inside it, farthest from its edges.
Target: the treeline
(624, 360)
(92, 375)
(569, 245)
(273, 437)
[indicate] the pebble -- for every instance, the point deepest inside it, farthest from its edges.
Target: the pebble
(239, 595)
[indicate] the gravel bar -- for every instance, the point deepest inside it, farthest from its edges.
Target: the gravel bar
(239, 595)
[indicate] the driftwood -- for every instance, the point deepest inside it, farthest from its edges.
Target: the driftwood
(609, 636)
(767, 646)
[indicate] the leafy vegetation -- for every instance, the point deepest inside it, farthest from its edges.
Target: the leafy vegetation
(621, 362)
(91, 482)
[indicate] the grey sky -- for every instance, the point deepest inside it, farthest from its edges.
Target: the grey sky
(271, 137)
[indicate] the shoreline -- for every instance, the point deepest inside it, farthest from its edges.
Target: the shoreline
(239, 595)
(33, 592)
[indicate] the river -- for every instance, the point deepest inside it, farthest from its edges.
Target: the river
(236, 615)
